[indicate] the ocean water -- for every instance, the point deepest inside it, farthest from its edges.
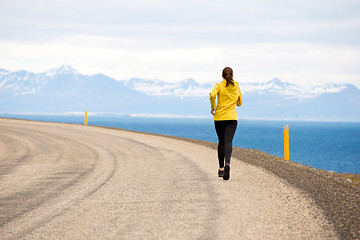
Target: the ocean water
(331, 146)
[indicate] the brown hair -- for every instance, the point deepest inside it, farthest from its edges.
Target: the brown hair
(227, 74)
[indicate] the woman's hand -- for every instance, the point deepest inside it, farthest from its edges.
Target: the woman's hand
(212, 111)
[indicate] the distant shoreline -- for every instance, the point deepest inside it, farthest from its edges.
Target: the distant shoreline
(170, 116)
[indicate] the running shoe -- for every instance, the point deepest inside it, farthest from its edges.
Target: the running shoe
(226, 172)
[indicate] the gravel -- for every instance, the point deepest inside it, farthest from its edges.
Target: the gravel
(338, 197)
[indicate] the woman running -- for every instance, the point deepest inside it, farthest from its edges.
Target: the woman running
(225, 117)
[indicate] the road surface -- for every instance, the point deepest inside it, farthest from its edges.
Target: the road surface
(65, 181)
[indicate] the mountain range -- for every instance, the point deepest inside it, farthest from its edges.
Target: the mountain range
(64, 89)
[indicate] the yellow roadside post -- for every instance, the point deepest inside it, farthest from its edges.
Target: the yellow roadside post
(85, 122)
(286, 142)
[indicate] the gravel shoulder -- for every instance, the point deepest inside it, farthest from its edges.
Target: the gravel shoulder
(64, 181)
(337, 194)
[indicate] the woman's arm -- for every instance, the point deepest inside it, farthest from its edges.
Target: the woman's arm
(213, 95)
(239, 101)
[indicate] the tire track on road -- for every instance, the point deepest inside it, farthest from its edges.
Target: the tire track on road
(46, 188)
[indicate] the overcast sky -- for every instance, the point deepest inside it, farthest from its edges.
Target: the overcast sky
(303, 42)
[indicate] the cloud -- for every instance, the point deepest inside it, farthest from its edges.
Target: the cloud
(306, 42)
(327, 22)
(307, 64)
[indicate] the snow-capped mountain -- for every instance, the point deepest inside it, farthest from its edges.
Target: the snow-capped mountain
(24, 83)
(64, 89)
(275, 86)
(19, 83)
(64, 69)
(186, 88)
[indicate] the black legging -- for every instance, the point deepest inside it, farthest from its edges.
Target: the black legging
(225, 131)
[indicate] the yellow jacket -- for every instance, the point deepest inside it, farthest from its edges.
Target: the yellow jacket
(228, 98)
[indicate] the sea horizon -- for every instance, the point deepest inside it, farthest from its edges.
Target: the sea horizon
(146, 115)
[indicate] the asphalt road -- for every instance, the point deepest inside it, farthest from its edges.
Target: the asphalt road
(64, 181)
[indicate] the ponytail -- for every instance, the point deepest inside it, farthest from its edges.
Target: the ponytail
(228, 76)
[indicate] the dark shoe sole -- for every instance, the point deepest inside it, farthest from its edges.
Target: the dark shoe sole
(226, 172)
